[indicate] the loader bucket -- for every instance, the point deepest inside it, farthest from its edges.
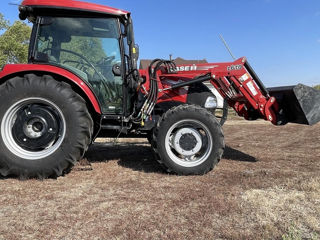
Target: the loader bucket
(297, 104)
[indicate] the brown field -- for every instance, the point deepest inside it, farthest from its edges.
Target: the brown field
(267, 186)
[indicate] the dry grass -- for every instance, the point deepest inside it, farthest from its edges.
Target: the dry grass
(296, 204)
(267, 182)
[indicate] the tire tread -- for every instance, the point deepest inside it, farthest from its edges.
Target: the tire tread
(168, 115)
(84, 136)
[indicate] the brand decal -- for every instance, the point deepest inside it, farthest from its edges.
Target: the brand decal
(234, 67)
(186, 68)
(193, 67)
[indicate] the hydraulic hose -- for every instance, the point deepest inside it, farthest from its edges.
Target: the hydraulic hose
(152, 96)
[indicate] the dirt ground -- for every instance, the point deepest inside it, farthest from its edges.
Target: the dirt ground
(267, 186)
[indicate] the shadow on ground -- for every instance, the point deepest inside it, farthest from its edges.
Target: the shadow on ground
(140, 157)
(236, 155)
(136, 156)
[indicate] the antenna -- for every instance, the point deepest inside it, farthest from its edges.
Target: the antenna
(226, 45)
(14, 4)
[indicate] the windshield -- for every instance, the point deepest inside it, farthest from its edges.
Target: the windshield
(89, 47)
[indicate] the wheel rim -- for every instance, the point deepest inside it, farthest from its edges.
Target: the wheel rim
(33, 128)
(188, 143)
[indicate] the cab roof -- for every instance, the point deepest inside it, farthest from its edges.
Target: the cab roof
(73, 5)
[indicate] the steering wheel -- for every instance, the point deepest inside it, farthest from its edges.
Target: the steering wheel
(105, 83)
(74, 53)
(106, 60)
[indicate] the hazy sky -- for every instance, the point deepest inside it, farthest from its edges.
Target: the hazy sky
(280, 38)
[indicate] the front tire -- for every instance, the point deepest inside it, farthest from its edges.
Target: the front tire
(188, 140)
(45, 127)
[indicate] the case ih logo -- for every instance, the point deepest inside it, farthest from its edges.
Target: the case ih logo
(187, 68)
(234, 67)
(193, 67)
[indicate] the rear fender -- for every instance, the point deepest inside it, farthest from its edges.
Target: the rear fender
(12, 70)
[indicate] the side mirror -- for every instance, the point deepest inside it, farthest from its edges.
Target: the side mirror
(135, 55)
(116, 69)
(136, 51)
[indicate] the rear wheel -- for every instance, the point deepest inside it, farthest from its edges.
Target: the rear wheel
(188, 140)
(45, 127)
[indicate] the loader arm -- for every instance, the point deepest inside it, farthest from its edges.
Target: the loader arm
(240, 86)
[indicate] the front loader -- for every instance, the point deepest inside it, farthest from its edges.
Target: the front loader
(81, 82)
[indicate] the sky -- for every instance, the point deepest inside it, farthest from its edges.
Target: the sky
(280, 38)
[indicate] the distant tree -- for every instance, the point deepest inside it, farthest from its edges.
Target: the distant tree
(317, 87)
(90, 48)
(14, 42)
(4, 24)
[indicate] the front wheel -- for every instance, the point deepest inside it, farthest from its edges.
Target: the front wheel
(188, 140)
(45, 127)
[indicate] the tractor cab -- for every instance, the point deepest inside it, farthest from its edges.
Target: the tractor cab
(94, 42)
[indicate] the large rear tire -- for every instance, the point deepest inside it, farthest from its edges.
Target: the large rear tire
(188, 140)
(45, 127)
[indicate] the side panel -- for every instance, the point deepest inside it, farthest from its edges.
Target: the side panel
(11, 69)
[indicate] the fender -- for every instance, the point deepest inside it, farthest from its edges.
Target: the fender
(13, 69)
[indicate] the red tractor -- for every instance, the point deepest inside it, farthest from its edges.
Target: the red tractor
(82, 82)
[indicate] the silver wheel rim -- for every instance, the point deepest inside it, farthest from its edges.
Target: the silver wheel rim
(197, 152)
(8, 122)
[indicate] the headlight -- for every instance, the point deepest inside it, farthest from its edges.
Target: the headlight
(211, 102)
